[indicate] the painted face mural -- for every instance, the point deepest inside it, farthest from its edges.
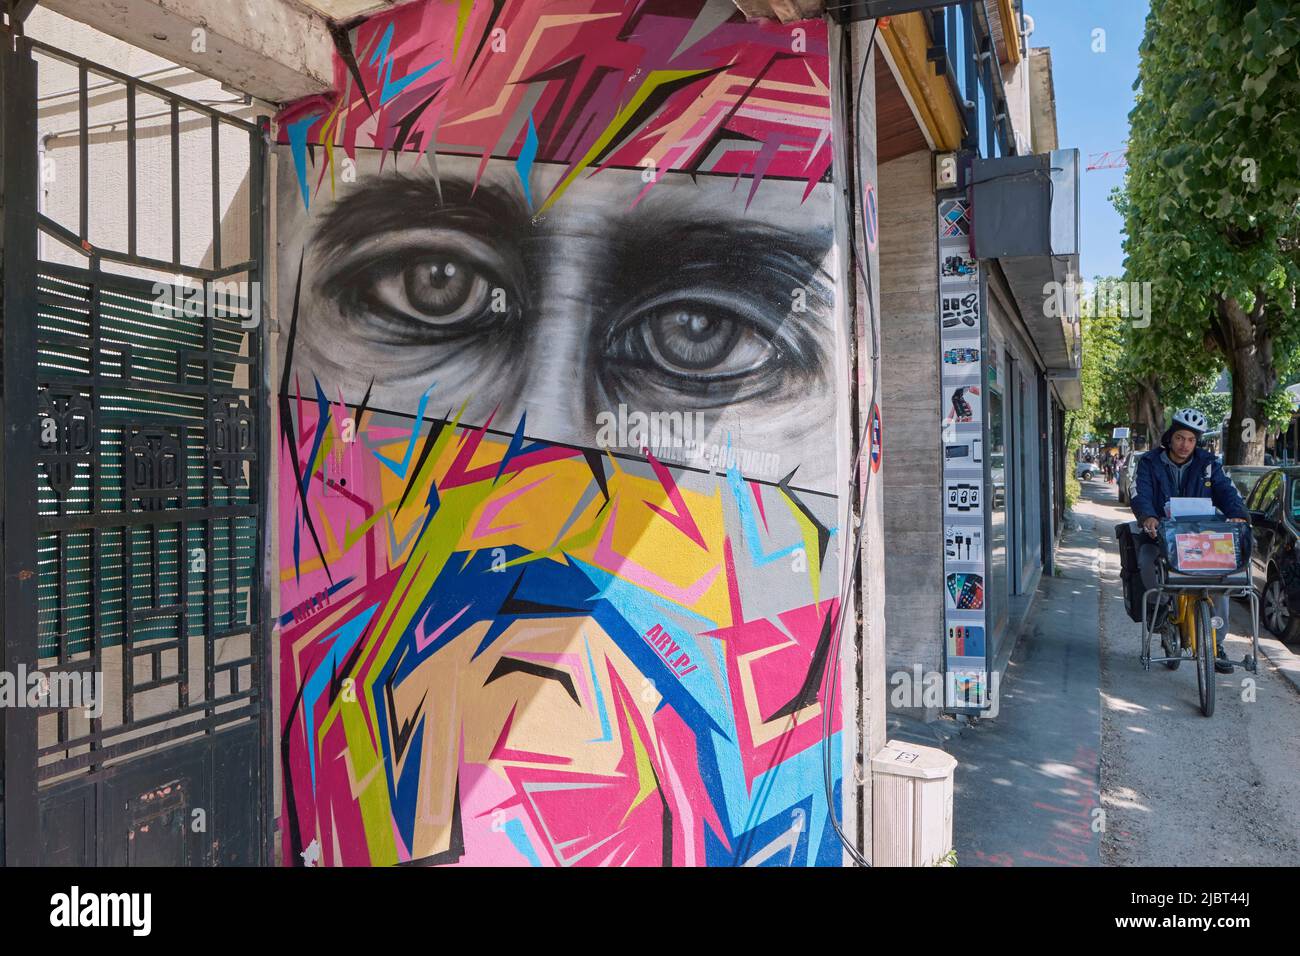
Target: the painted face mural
(559, 563)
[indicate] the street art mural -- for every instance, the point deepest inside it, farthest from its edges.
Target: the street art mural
(559, 544)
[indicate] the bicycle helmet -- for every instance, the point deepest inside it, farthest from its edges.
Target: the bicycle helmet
(1191, 419)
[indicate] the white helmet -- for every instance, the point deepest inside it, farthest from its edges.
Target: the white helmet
(1192, 419)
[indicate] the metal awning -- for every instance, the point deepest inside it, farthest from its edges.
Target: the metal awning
(1025, 212)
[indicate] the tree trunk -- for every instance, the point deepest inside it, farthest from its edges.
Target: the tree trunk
(1147, 409)
(1247, 421)
(1249, 354)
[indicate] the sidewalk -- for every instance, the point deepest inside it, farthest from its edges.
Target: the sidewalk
(1075, 703)
(1028, 782)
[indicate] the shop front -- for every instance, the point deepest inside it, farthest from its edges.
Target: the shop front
(1024, 441)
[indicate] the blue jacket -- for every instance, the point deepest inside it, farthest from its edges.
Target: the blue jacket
(1203, 478)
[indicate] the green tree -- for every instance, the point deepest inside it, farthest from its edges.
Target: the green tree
(1103, 375)
(1211, 203)
(1130, 388)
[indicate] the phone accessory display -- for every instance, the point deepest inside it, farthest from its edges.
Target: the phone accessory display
(962, 411)
(954, 218)
(967, 689)
(958, 266)
(965, 640)
(964, 351)
(963, 544)
(957, 310)
(963, 497)
(966, 591)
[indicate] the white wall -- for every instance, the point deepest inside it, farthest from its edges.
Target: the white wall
(58, 133)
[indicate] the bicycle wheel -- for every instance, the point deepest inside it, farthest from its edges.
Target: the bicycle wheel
(1170, 645)
(1205, 656)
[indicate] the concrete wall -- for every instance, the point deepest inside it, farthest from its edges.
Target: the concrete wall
(1015, 80)
(869, 669)
(913, 466)
(512, 636)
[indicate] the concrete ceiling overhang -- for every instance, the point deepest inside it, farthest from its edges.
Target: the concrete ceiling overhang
(342, 10)
(273, 50)
(1034, 282)
(787, 11)
(1042, 98)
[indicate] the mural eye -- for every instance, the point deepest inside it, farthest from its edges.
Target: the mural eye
(694, 340)
(436, 289)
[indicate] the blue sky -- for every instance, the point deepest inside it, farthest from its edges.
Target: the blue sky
(1094, 93)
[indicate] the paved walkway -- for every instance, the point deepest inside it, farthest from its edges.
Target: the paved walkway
(1027, 787)
(1093, 761)
(1180, 789)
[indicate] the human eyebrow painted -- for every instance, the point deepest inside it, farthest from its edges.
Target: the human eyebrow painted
(397, 202)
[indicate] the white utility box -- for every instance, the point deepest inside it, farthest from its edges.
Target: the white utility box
(911, 805)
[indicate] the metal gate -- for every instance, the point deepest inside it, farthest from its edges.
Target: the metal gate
(134, 488)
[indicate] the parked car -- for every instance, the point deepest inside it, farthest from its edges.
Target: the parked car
(1245, 477)
(1274, 505)
(1126, 478)
(1086, 470)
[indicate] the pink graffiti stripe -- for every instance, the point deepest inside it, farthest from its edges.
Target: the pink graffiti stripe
(501, 751)
(757, 489)
(459, 474)
(491, 509)
(625, 567)
(424, 639)
(680, 518)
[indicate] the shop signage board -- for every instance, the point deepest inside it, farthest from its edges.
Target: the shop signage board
(963, 345)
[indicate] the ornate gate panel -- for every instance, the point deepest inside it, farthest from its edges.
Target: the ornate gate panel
(134, 491)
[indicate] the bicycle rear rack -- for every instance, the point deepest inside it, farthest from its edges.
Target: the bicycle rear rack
(1235, 589)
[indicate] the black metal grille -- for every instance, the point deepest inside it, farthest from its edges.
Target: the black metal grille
(148, 507)
(150, 437)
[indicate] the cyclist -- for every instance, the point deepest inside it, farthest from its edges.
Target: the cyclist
(1182, 470)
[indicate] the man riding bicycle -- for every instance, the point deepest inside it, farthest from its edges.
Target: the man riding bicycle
(1182, 470)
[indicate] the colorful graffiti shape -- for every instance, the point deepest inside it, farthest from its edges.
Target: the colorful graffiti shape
(656, 85)
(508, 644)
(510, 652)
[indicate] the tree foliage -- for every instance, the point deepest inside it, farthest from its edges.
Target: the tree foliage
(1216, 406)
(1104, 375)
(1212, 201)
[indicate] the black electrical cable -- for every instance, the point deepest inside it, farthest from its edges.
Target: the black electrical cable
(849, 569)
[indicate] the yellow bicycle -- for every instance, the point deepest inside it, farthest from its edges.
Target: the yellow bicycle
(1185, 617)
